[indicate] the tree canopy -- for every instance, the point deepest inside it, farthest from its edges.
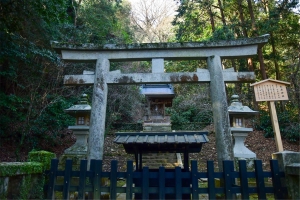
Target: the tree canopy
(32, 95)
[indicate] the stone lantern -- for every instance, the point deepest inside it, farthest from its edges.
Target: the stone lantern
(81, 112)
(238, 115)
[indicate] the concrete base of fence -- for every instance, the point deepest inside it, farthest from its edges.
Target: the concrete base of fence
(289, 162)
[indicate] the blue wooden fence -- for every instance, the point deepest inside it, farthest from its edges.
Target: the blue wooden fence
(90, 181)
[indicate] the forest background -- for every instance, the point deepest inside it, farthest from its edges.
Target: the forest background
(33, 97)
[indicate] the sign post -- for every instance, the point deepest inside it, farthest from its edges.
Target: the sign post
(272, 90)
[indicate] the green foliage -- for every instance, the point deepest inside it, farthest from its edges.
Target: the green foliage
(184, 65)
(98, 21)
(32, 96)
(43, 157)
(288, 123)
(128, 126)
(124, 105)
(52, 118)
(194, 22)
(191, 107)
(189, 126)
(238, 19)
(222, 33)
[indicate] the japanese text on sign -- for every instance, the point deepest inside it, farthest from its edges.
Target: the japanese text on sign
(270, 92)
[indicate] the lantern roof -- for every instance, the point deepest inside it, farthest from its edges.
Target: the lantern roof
(82, 106)
(237, 108)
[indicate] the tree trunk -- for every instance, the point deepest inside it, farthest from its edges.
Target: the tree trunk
(245, 33)
(254, 28)
(222, 12)
(277, 71)
(251, 13)
(262, 64)
(212, 21)
(75, 6)
(295, 82)
(242, 18)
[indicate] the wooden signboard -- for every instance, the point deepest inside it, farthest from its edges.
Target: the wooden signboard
(272, 90)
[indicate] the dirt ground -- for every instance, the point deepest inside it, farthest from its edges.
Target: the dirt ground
(263, 147)
(256, 142)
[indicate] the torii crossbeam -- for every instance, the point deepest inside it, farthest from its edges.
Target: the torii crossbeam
(213, 52)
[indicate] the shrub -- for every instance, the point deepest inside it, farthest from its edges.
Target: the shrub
(288, 123)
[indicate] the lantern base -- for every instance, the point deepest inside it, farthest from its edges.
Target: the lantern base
(240, 150)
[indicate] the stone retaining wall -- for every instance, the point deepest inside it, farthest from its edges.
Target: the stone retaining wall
(25, 180)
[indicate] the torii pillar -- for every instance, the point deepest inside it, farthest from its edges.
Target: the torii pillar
(158, 52)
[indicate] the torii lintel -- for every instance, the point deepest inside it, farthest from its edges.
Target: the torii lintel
(239, 48)
(152, 78)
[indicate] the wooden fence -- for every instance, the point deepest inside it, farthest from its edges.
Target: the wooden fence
(234, 182)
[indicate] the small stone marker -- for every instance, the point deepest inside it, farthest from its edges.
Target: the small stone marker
(272, 90)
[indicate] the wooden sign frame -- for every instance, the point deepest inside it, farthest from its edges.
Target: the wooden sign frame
(272, 90)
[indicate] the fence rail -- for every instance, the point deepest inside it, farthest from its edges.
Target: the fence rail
(184, 183)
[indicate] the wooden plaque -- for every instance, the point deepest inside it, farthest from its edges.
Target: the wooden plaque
(270, 90)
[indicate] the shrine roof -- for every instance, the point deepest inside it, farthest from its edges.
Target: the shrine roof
(157, 90)
(178, 142)
(261, 40)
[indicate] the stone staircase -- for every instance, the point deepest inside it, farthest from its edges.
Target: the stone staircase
(167, 160)
(155, 160)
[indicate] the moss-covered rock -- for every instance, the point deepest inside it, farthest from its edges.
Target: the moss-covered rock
(20, 168)
(43, 157)
(21, 180)
(25, 180)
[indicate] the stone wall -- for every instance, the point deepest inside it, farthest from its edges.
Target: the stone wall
(25, 180)
(289, 162)
(167, 160)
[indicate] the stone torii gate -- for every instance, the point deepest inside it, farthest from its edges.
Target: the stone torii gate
(213, 52)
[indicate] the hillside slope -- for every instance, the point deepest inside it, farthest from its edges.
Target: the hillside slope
(263, 147)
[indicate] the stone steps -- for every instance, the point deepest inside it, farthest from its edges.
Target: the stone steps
(155, 160)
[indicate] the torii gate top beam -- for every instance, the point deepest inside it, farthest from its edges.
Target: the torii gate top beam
(169, 51)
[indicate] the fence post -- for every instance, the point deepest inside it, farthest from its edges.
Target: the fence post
(113, 179)
(52, 178)
(129, 180)
(178, 183)
(82, 179)
(194, 179)
(67, 179)
(211, 180)
(278, 194)
(161, 183)
(145, 183)
(228, 167)
(260, 183)
(243, 179)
